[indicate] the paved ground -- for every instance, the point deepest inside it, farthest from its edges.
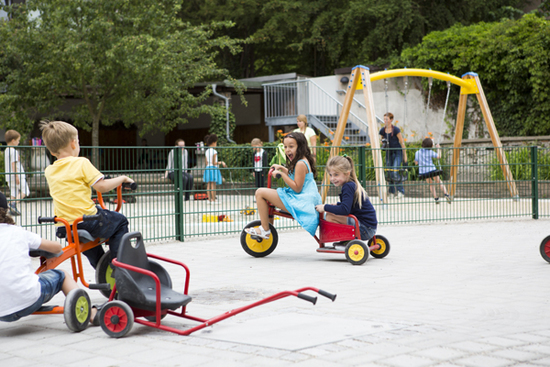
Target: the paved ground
(457, 294)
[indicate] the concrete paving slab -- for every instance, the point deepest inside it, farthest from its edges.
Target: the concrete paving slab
(294, 331)
(451, 294)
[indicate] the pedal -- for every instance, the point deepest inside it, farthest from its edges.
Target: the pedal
(100, 286)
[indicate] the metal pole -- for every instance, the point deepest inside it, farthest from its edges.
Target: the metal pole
(535, 181)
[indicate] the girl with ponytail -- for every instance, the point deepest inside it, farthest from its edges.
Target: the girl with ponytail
(353, 198)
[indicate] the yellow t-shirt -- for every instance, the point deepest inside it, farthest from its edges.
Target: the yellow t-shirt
(70, 180)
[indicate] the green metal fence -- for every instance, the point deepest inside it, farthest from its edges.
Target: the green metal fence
(159, 211)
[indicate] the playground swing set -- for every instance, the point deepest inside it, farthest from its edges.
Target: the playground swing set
(361, 78)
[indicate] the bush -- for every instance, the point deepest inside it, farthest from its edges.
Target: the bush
(519, 160)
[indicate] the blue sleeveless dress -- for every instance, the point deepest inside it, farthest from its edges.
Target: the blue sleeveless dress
(302, 205)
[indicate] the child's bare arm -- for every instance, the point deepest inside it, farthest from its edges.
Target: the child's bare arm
(110, 184)
(50, 246)
(300, 171)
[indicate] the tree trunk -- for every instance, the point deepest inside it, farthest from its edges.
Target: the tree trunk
(95, 141)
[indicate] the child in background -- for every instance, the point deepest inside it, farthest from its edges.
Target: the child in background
(187, 178)
(427, 169)
(212, 175)
(260, 162)
(300, 198)
(23, 292)
(353, 198)
(71, 179)
(14, 170)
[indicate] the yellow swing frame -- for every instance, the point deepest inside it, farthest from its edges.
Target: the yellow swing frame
(361, 78)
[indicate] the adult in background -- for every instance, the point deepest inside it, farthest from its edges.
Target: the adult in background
(311, 137)
(392, 139)
(187, 179)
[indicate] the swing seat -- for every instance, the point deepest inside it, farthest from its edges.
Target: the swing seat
(431, 174)
(402, 175)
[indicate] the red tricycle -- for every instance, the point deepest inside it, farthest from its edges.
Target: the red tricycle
(77, 307)
(355, 250)
(144, 294)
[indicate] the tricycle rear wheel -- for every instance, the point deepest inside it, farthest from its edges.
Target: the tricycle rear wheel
(259, 247)
(356, 252)
(384, 246)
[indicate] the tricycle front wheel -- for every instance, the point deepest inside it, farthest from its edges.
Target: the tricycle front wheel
(545, 249)
(259, 247)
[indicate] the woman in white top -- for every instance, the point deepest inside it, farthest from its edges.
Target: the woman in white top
(311, 137)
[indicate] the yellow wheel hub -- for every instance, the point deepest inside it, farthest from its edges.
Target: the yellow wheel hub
(382, 248)
(356, 252)
(81, 309)
(256, 246)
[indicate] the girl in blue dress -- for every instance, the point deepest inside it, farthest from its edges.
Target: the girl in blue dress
(212, 175)
(300, 197)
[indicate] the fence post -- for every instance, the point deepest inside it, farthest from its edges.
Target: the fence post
(535, 181)
(362, 166)
(178, 196)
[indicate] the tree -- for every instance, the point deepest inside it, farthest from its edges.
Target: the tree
(511, 59)
(313, 37)
(130, 61)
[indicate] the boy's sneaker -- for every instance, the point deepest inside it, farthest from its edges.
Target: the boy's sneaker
(448, 198)
(437, 200)
(400, 195)
(13, 209)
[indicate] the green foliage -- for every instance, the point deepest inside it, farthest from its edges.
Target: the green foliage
(2, 169)
(511, 59)
(520, 163)
(218, 125)
(315, 37)
(129, 61)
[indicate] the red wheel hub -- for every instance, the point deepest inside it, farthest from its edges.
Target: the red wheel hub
(116, 319)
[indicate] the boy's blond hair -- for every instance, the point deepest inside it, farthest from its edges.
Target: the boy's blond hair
(256, 141)
(57, 135)
(11, 135)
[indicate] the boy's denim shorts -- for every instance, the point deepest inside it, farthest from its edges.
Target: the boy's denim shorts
(50, 284)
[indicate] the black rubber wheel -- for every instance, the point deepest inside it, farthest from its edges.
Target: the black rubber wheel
(77, 310)
(259, 247)
(116, 319)
(165, 280)
(384, 246)
(104, 273)
(356, 252)
(545, 249)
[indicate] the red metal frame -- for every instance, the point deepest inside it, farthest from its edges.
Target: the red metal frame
(328, 232)
(203, 322)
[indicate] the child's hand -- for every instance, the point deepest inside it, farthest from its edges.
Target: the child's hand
(127, 179)
(438, 146)
(276, 173)
(320, 208)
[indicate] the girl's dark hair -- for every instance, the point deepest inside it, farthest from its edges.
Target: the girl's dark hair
(427, 143)
(209, 139)
(302, 151)
(5, 217)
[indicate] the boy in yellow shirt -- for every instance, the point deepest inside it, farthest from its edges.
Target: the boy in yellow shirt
(70, 179)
